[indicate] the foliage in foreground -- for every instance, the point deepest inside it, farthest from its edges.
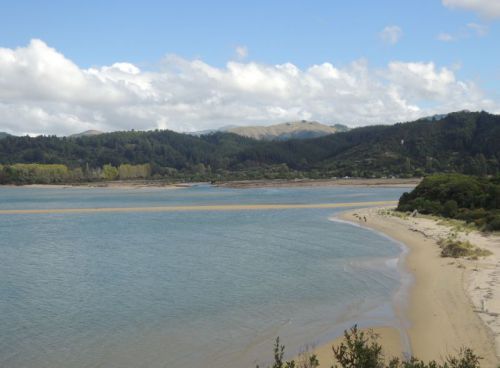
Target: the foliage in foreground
(469, 198)
(361, 350)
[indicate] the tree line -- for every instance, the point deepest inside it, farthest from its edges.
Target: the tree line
(59, 173)
(473, 199)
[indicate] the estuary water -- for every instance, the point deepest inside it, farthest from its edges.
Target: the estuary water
(185, 289)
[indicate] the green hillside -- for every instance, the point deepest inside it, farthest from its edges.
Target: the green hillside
(464, 142)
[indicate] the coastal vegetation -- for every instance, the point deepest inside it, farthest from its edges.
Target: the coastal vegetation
(473, 199)
(361, 350)
(461, 249)
(461, 142)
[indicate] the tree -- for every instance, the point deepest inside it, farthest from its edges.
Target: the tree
(109, 172)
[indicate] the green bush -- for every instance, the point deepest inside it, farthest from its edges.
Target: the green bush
(459, 249)
(494, 223)
(450, 208)
(362, 350)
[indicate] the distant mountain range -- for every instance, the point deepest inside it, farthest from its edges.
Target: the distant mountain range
(280, 132)
(294, 130)
(4, 135)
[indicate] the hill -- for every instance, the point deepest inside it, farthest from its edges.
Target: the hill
(4, 135)
(463, 142)
(293, 130)
(87, 133)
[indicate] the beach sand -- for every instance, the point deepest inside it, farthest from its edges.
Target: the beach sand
(453, 302)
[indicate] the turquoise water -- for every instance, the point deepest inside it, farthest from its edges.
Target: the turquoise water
(185, 289)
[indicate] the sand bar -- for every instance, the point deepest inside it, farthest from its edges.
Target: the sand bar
(123, 184)
(278, 183)
(224, 207)
(240, 184)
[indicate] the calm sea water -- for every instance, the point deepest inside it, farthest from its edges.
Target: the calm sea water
(184, 289)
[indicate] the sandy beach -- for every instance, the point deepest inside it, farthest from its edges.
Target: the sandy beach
(453, 302)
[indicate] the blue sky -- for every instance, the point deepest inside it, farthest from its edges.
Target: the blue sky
(451, 34)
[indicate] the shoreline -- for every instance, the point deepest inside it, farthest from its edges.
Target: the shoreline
(443, 311)
(285, 183)
(242, 184)
(105, 185)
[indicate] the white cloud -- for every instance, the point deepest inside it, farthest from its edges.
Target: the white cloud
(41, 91)
(241, 52)
(468, 31)
(445, 37)
(485, 8)
(479, 29)
(391, 34)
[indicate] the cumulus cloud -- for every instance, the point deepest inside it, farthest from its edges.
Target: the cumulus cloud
(485, 8)
(391, 34)
(41, 91)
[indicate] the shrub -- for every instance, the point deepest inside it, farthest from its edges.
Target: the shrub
(493, 223)
(361, 350)
(450, 208)
(459, 249)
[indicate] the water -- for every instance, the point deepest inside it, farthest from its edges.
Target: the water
(184, 289)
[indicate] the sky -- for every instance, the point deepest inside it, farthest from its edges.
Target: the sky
(71, 66)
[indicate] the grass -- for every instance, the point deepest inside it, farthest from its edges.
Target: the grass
(455, 248)
(458, 226)
(391, 212)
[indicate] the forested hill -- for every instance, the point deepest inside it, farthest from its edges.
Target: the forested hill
(467, 142)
